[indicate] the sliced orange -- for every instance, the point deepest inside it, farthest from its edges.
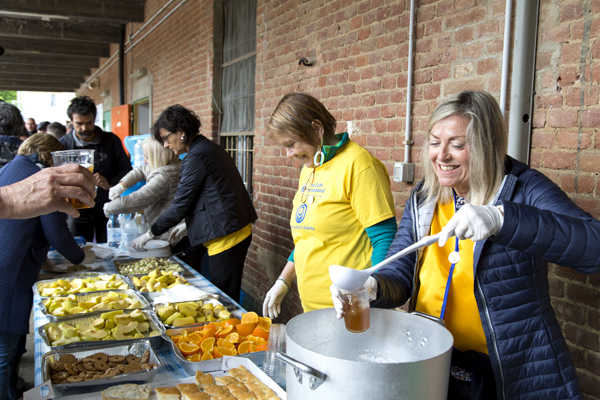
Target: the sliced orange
(245, 329)
(260, 332)
(260, 347)
(227, 351)
(223, 342)
(223, 331)
(217, 352)
(245, 347)
(209, 330)
(250, 318)
(196, 337)
(206, 356)
(255, 339)
(265, 323)
(233, 337)
(207, 344)
(187, 349)
(176, 338)
(232, 321)
(195, 357)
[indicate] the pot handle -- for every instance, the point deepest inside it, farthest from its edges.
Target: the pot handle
(429, 317)
(316, 377)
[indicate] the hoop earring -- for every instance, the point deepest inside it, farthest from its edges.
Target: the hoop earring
(182, 138)
(319, 155)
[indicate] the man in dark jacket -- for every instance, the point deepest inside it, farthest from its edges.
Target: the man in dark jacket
(110, 163)
(11, 127)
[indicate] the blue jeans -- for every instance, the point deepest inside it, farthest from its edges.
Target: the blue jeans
(12, 347)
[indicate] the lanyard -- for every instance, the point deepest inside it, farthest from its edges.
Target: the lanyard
(449, 281)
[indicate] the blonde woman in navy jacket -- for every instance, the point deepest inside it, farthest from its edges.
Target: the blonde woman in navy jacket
(510, 221)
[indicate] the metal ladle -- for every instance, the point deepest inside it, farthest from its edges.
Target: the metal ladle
(353, 279)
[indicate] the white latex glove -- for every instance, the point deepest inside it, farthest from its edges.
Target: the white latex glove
(473, 222)
(116, 191)
(90, 256)
(107, 210)
(273, 299)
(337, 295)
(177, 233)
(139, 242)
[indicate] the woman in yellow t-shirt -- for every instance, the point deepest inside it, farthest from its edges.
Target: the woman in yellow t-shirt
(501, 222)
(343, 211)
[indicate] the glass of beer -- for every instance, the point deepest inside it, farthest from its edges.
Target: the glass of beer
(356, 310)
(83, 157)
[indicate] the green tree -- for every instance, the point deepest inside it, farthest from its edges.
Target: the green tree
(8, 95)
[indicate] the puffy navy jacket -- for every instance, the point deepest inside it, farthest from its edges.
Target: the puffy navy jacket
(211, 195)
(541, 224)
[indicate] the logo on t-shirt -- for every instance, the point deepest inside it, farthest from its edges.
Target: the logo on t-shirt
(301, 213)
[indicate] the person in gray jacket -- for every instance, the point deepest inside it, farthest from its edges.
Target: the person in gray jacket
(161, 173)
(500, 224)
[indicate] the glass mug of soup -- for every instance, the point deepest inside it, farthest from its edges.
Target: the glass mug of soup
(83, 157)
(357, 308)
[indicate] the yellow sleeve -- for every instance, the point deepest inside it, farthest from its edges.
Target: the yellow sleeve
(370, 193)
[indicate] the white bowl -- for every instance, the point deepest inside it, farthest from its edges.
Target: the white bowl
(153, 248)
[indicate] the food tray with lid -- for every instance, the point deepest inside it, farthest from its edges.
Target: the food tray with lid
(142, 266)
(116, 360)
(102, 281)
(199, 313)
(131, 295)
(75, 333)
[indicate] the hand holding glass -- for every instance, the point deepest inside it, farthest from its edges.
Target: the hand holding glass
(83, 157)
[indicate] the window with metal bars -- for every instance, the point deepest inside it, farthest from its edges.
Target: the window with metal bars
(241, 149)
(237, 69)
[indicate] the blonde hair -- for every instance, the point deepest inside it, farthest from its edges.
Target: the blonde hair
(156, 155)
(295, 114)
(487, 141)
(41, 144)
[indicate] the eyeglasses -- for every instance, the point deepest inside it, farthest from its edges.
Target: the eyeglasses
(164, 138)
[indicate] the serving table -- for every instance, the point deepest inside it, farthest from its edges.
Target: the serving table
(172, 368)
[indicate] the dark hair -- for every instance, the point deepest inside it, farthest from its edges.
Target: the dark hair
(176, 119)
(57, 130)
(42, 126)
(82, 105)
(11, 120)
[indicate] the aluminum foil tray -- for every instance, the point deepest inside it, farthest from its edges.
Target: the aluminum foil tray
(155, 325)
(132, 294)
(40, 284)
(144, 291)
(138, 349)
(212, 299)
(124, 265)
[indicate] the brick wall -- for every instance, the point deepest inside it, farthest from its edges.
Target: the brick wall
(361, 49)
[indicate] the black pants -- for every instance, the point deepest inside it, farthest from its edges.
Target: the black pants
(91, 224)
(192, 256)
(471, 377)
(225, 269)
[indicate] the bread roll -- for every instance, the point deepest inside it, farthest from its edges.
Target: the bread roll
(128, 391)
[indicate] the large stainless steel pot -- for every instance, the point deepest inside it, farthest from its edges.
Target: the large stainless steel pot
(401, 356)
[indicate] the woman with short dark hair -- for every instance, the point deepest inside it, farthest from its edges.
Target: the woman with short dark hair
(212, 198)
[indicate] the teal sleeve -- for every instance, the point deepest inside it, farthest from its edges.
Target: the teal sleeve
(291, 257)
(381, 236)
